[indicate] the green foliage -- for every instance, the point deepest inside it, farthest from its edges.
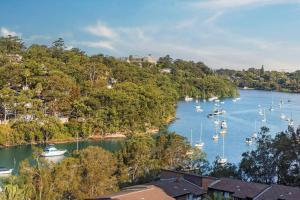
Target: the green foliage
(275, 160)
(52, 82)
(264, 80)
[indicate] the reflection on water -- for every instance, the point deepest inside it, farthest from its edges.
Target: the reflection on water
(11, 157)
(55, 159)
(240, 116)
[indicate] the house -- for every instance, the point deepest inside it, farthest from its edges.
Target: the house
(141, 59)
(166, 70)
(14, 58)
(145, 192)
(279, 192)
(164, 189)
(187, 186)
(235, 189)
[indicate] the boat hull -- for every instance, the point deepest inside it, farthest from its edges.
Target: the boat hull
(56, 153)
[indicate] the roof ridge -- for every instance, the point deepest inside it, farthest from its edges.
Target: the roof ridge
(193, 184)
(262, 192)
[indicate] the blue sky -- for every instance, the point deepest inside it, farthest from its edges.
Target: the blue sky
(222, 33)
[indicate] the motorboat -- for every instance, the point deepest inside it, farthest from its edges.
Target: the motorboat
(222, 102)
(210, 115)
(5, 171)
(198, 108)
(219, 112)
(282, 116)
(234, 100)
(187, 98)
(254, 135)
(223, 132)
(52, 151)
(217, 122)
(260, 112)
(199, 145)
(223, 124)
(217, 100)
(212, 98)
(222, 161)
(248, 141)
(216, 137)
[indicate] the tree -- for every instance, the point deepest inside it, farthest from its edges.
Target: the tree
(259, 165)
(226, 170)
(11, 44)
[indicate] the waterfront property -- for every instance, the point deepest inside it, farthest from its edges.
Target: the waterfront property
(185, 186)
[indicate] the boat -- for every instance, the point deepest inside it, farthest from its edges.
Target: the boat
(5, 171)
(215, 137)
(254, 134)
(264, 119)
(52, 151)
(223, 132)
(212, 98)
(219, 112)
(217, 100)
(210, 115)
(222, 102)
(282, 116)
(223, 124)
(187, 98)
(291, 121)
(222, 161)
(197, 100)
(248, 141)
(217, 122)
(234, 100)
(198, 108)
(260, 112)
(200, 144)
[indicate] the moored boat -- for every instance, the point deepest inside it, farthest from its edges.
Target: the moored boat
(5, 171)
(52, 151)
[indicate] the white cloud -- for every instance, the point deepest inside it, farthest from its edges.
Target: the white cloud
(99, 29)
(6, 32)
(224, 4)
(97, 44)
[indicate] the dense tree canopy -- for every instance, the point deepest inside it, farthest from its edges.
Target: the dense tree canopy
(92, 95)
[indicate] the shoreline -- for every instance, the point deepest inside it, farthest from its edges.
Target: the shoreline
(70, 140)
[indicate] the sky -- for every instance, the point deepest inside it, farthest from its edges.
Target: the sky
(234, 34)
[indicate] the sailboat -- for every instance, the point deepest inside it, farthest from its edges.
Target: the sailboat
(200, 144)
(216, 135)
(198, 108)
(248, 141)
(260, 112)
(264, 119)
(291, 121)
(187, 98)
(223, 160)
(254, 135)
(272, 106)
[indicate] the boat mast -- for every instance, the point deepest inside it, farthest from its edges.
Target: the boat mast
(191, 137)
(223, 147)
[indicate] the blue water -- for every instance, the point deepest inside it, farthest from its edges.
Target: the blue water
(240, 116)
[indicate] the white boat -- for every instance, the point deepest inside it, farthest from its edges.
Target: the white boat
(234, 100)
(282, 116)
(200, 144)
(254, 135)
(264, 119)
(216, 137)
(260, 112)
(217, 122)
(5, 171)
(223, 124)
(198, 108)
(187, 98)
(217, 100)
(212, 98)
(52, 151)
(248, 141)
(222, 102)
(223, 160)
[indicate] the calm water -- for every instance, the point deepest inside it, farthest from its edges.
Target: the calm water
(240, 116)
(11, 157)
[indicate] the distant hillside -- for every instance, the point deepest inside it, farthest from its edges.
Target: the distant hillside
(263, 80)
(50, 93)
